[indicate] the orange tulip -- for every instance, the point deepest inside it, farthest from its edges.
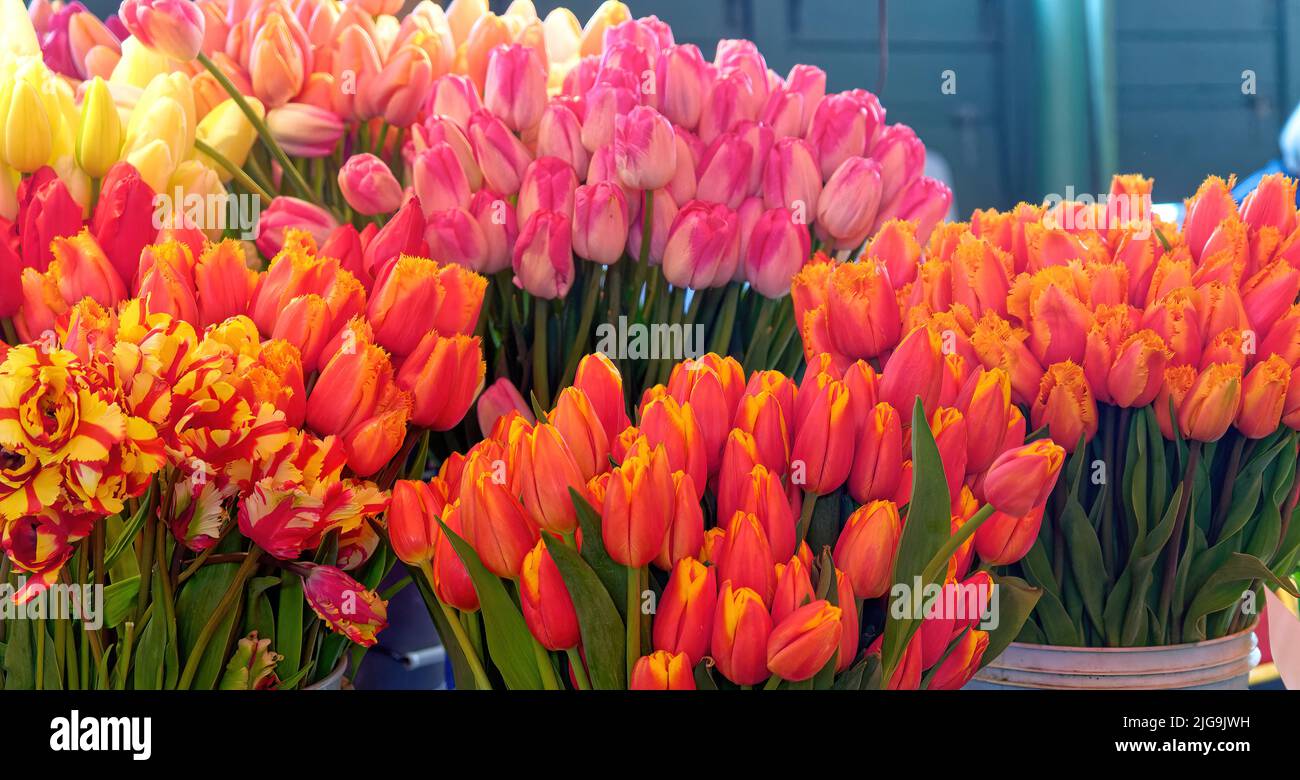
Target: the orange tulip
(1263, 397)
(878, 456)
(793, 588)
(914, 370)
(373, 443)
(223, 281)
(675, 426)
(864, 318)
(805, 641)
(685, 534)
(444, 374)
(543, 473)
(662, 671)
(707, 392)
(496, 523)
(599, 379)
(545, 601)
(413, 296)
(637, 507)
(999, 345)
(962, 663)
(352, 384)
(1270, 292)
(822, 453)
(1022, 477)
(575, 418)
(412, 520)
(1004, 539)
(746, 556)
(1065, 404)
(761, 494)
(949, 429)
(741, 628)
(1135, 375)
(451, 582)
(1058, 325)
(985, 403)
(1177, 381)
(866, 547)
(763, 416)
(684, 619)
(1211, 402)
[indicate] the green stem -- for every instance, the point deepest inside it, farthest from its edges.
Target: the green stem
(805, 515)
(633, 618)
(590, 297)
(545, 668)
(291, 173)
(228, 600)
(11, 335)
(1176, 538)
(772, 683)
(955, 541)
(234, 170)
(579, 671)
(40, 654)
(727, 320)
(481, 681)
(541, 380)
(759, 339)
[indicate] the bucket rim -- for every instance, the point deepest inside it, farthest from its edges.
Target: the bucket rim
(1223, 640)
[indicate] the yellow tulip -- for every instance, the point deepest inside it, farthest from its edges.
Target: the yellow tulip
(25, 133)
(17, 35)
(229, 132)
(609, 14)
(139, 65)
(154, 161)
(193, 177)
(99, 138)
(144, 119)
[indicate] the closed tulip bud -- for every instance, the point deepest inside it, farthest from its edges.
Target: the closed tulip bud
(804, 641)
(985, 402)
(866, 547)
(285, 213)
(645, 149)
(600, 222)
(549, 183)
(724, 170)
(278, 60)
(794, 588)
(745, 558)
(82, 271)
(598, 377)
(685, 534)
(223, 282)
(305, 130)
(683, 621)
(844, 126)
(1211, 403)
(576, 420)
(122, 223)
(1263, 397)
(343, 603)
(1066, 405)
(559, 134)
(822, 452)
(456, 237)
(374, 442)
(675, 426)
(545, 601)
(847, 206)
(439, 179)
(703, 247)
(1022, 477)
(662, 671)
(170, 27)
(925, 202)
(26, 128)
(166, 279)
(1268, 293)
(778, 247)
(544, 473)
(741, 629)
(682, 76)
(99, 137)
(443, 374)
(1135, 375)
(1004, 539)
(878, 455)
(496, 523)
(369, 186)
(498, 400)
(450, 579)
(515, 86)
(502, 157)
(543, 256)
(791, 179)
(962, 663)
(637, 507)
(761, 494)
(499, 227)
(412, 520)
(863, 310)
(902, 159)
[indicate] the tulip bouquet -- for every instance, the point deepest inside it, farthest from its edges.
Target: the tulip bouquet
(205, 449)
(739, 533)
(1160, 358)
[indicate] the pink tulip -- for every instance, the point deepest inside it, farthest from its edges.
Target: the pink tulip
(604, 168)
(604, 103)
(747, 215)
(400, 89)
(726, 105)
(777, 249)
(847, 207)
(843, 126)
(622, 64)
(403, 234)
(548, 183)
(792, 179)
(170, 27)
(723, 175)
(600, 222)
(500, 227)
(645, 149)
(439, 179)
(455, 98)
(648, 34)
(809, 82)
(305, 130)
(703, 246)
(665, 212)
(760, 138)
(500, 154)
(454, 236)
(369, 186)
(743, 56)
(559, 134)
(516, 86)
(499, 399)
(284, 213)
(685, 181)
(926, 201)
(441, 129)
(356, 66)
(682, 81)
(543, 256)
(902, 159)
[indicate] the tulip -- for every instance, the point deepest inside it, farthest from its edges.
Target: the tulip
(170, 27)
(373, 443)
(559, 134)
(822, 452)
(878, 455)
(500, 228)
(866, 548)
(902, 160)
(1058, 325)
(545, 471)
(1004, 539)
(1211, 204)
(723, 173)
(277, 61)
(777, 249)
(285, 213)
(1213, 400)
(681, 76)
(369, 186)
(645, 149)
(662, 671)
(683, 621)
(862, 310)
(502, 157)
(1022, 477)
(515, 86)
(99, 137)
(685, 534)
(575, 418)
(545, 601)
(166, 280)
(498, 400)
(676, 427)
(962, 662)
(543, 255)
(791, 179)
(1263, 397)
(1138, 369)
(746, 556)
(804, 641)
(496, 523)
(549, 183)
(455, 236)
(357, 379)
(636, 509)
(662, 219)
(1270, 292)
(81, 270)
(741, 629)
(598, 377)
(600, 222)
(443, 374)
(703, 246)
(793, 588)
(846, 208)
(412, 521)
(305, 130)
(1065, 404)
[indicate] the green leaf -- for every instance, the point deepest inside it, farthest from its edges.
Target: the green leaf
(1052, 615)
(509, 642)
(1224, 587)
(1086, 562)
(150, 655)
(703, 678)
(1016, 601)
(603, 641)
(258, 615)
(1130, 600)
(196, 602)
(126, 539)
(928, 527)
(612, 575)
(20, 661)
(119, 600)
(288, 625)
